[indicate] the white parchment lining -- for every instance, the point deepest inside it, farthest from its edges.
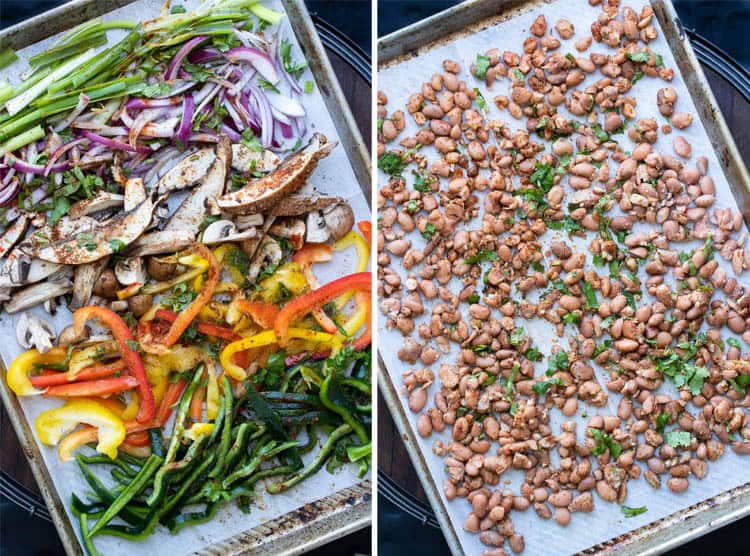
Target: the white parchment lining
(333, 176)
(400, 80)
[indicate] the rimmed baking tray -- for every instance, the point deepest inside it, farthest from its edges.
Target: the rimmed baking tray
(474, 15)
(316, 523)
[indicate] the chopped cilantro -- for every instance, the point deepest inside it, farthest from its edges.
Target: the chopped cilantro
(661, 421)
(294, 69)
(604, 442)
(481, 102)
(639, 57)
(86, 241)
(481, 256)
(251, 141)
(391, 163)
(116, 245)
(558, 362)
(429, 230)
(517, 336)
(632, 512)
(591, 301)
(544, 386)
(156, 90)
(481, 66)
(308, 86)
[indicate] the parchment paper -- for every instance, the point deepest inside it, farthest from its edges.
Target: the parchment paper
(334, 176)
(400, 80)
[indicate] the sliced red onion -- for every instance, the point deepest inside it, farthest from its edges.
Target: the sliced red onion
(174, 65)
(9, 176)
(54, 142)
(31, 153)
(226, 84)
(239, 123)
(285, 105)
(83, 102)
(58, 153)
(102, 129)
(266, 117)
(243, 114)
(38, 169)
(141, 103)
(245, 78)
(145, 117)
(124, 117)
(279, 117)
(10, 191)
(231, 133)
(251, 105)
(186, 124)
(89, 161)
(203, 55)
(286, 130)
(258, 59)
(204, 138)
(112, 144)
(280, 65)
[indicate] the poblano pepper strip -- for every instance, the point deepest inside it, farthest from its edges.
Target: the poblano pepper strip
(335, 399)
(182, 411)
(226, 433)
(266, 414)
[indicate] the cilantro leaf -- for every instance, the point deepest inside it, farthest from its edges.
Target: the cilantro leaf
(391, 163)
(481, 66)
(481, 256)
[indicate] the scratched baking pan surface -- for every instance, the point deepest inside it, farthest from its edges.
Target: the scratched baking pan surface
(309, 500)
(403, 76)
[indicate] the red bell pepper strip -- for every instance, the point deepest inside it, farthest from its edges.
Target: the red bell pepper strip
(366, 228)
(93, 388)
(173, 393)
(196, 404)
(301, 306)
(139, 438)
(183, 320)
(56, 378)
(127, 343)
(207, 328)
(264, 314)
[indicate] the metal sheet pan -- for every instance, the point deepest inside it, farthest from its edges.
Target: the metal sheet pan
(475, 15)
(316, 523)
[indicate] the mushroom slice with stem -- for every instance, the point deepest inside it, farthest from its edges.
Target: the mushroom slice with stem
(243, 222)
(20, 270)
(84, 280)
(157, 243)
(317, 231)
(246, 160)
(187, 172)
(269, 252)
(38, 293)
(103, 200)
(104, 240)
(192, 210)
(299, 205)
(250, 246)
(13, 234)
(292, 229)
(339, 220)
(130, 271)
(222, 231)
(135, 193)
(69, 336)
(261, 194)
(35, 332)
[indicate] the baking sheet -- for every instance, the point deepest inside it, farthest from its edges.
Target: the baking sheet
(398, 80)
(335, 176)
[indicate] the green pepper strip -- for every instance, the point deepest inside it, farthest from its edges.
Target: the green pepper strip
(157, 441)
(290, 397)
(78, 506)
(193, 518)
(88, 544)
(138, 483)
(240, 445)
(120, 477)
(130, 514)
(312, 440)
(182, 412)
(226, 433)
(265, 453)
(360, 385)
(333, 398)
(130, 460)
(166, 472)
(104, 460)
(315, 464)
(266, 414)
(219, 421)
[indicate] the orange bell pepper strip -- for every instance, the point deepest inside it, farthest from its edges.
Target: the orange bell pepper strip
(173, 393)
(365, 338)
(309, 254)
(366, 228)
(196, 404)
(128, 347)
(139, 438)
(183, 320)
(304, 304)
(207, 328)
(94, 388)
(90, 434)
(56, 378)
(264, 314)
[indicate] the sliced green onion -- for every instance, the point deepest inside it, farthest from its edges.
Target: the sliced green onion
(7, 57)
(266, 14)
(65, 52)
(6, 91)
(33, 134)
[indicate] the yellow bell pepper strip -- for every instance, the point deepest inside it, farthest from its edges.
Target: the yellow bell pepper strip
(128, 347)
(18, 371)
(221, 253)
(53, 424)
(303, 305)
(57, 378)
(91, 355)
(287, 278)
(364, 339)
(264, 314)
(363, 256)
(269, 337)
(183, 320)
(356, 320)
(102, 387)
(212, 393)
(198, 430)
(129, 291)
(89, 434)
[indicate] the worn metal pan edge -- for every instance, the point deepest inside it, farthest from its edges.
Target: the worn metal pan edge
(472, 16)
(334, 516)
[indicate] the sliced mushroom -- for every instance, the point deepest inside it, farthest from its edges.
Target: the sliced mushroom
(292, 229)
(119, 305)
(222, 231)
(192, 210)
(250, 246)
(84, 280)
(38, 293)
(339, 220)
(157, 243)
(104, 240)
(35, 332)
(135, 193)
(297, 205)
(68, 335)
(130, 271)
(245, 221)
(289, 177)
(244, 160)
(187, 172)
(269, 252)
(13, 234)
(103, 200)
(20, 270)
(50, 306)
(317, 231)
